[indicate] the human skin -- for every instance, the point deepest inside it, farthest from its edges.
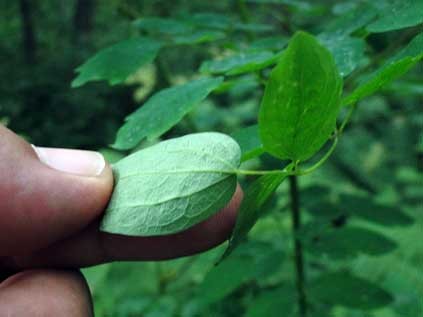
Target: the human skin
(50, 204)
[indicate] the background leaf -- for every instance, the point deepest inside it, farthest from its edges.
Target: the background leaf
(347, 51)
(380, 78)
(222, 280)
(167, 108)
(395, 67)
(344, 289)
(365, 208)
(301, 100)
(118, 61)
(239, 63)
(272, 43)
(352, 20)
(398, 14)
(350, 242)
(163, 25)
(272, 303)
(198, 37)
(172, 185)
(249, 142)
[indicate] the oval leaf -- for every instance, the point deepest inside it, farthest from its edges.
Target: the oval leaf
(172, 185)
(301, 101)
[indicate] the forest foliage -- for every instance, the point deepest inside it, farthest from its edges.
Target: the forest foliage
(324, 99)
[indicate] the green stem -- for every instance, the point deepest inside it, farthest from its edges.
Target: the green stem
(298, 248)
(287, 171)
(346, 119)
(294, 172)
(320, 162)
(248, 172)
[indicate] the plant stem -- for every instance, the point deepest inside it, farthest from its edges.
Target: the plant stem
(248, 172)
(346, 119)
(321, 161)
(299, 260)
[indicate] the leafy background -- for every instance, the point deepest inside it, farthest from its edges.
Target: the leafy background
(362, 211)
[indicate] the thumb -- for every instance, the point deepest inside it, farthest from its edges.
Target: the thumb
(47, 194)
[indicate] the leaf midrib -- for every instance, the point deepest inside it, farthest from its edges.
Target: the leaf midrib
(170, 199)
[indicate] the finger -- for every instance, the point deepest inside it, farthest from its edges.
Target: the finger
(40, 293)
(92, 247)
(47, 194)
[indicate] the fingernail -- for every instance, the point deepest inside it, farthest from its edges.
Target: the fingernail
(85, 163)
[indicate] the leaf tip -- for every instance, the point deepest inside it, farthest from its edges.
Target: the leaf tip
(77, 82)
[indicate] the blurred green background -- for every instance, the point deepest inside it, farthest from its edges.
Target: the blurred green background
(373, 181)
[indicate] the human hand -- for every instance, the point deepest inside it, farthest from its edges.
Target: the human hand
(50, 204)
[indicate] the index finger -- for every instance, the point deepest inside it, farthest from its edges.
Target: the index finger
(92, 247)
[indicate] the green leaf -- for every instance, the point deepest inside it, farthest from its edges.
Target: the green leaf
(408, 175)
(413, 49)
(256, 195)
(240, 63)
(314, 194)
(380, 78)
(267, 258)
(347, 51)
(252, 27)
(296, 4)
(391, 70)
(319, 207)
(352, 20)
(272, 303)
(249, 142)
(210, 20)
(172, 185)
(118, 61)
(162, 111)
(398, 14)
(198, 37)
(222, 280)
(301, 100)
(365, 208)
(350, 242)
(271, 43)
(344, 289)
(163, 25)
(111, 156)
